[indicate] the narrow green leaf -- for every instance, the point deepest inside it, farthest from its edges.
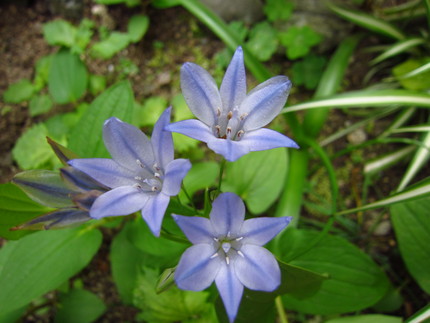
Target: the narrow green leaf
(16, 208)
(68, 77)
(257, 178)
(79, 305)
(421, 316)
(367, 318)
(398, 48)
(381, 163)
(41, 262)
(419, 70)
(411, 224)
(369, 22)
(349, 269)
(86, 137)
(365, 98)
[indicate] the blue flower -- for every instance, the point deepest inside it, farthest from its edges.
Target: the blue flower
(142, 173)
(230, 120)
(228, 250)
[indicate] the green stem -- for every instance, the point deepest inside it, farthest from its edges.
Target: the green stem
(190, 200)
(221, 172)
(280, 309)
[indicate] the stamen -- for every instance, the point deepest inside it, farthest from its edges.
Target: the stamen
(154, 188)
(243, 116)
(228, 234)
(218, 112)
(238, 239)
(229, 115)
(156, 168)
(227, 260)
(156, 175)
(216, 239)
(228, 130)
(240, 133)
(240, 253)
(138, 162)
(137, 178)
(218, 130)
(214, 255)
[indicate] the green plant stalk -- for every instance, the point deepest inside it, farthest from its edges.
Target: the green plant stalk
(280, 309)
(427, 5)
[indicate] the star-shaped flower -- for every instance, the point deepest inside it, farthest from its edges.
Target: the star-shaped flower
(230, 120)
(228, 250)
(142, 173)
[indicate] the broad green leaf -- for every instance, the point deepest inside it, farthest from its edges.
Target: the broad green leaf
(42, 67)
(40, 104)
(308, 71)
(366, 98)
(367, 318)
(83, 36)
(419, 82)
(86, 137)
(257, 178)
(200, 176)
(152, 108)
(137, 27)
(19, 91)
(16, 208)
(173, 305)
(31, 149)
(115, 43)
(262, 41)
(278, 9)
(68, 77)
(349, 269)
(13, 316)
(79, 305)
(299, 40)
(40, 262)
(97, 84)
(126, 259)
(411, 224)
(369, 22)
(59, 33)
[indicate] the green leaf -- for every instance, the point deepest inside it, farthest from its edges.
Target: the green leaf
(308, 71)
(13, 316)
(16, 208)
(137, 27)
(83, 36)
(126, 259)
(299, 40)
(278, 9)
(31, 149)
(79, 305)
(398, 48)
(173, 305)
(107, 48)
(257, 178)
(367, 318)
(40, 104)
(263, 41)
(411, 224)
(43, 66)
(349, 269)
(200, 176)
(19, 92)
(150, 111)
(415, 83)
(86, 137)
(97, 84)
(59, 33)
(67, 77)
(40, 262)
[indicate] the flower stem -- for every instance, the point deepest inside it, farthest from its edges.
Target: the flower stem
(280, 309)
(221, 172)
(190, 200)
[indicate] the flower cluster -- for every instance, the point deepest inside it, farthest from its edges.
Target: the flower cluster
(143, 175)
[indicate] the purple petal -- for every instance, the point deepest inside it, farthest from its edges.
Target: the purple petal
(197, 268)
(257, 269)
(162, 141)
(119, 201)
(200, 92)
(227, 215)
(230, 289)
(192, 128)
(197, 229)
(233, 86)
(264, 139)
(175, 173)
(259, 231)
(230, 149)
(127, 145)
(153, 212)
(105, 171)
(265, 102)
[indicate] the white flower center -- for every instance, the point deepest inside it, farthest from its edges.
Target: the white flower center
(227, 248)
(152, 183)
(229, 125)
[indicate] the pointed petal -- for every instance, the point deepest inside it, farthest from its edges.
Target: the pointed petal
(259, 231)
(200, 92)
(264, 139)
(265, 102)
(153, 212)
(105, 171)
(57, 219)
(196, 228)
(123, 200)
(44, 187)
(127, 144)
(197, 268)
(230, 289)
(79, 181)
(162, 142)
(233, 86)
(230, 149)
(175, 173)
(192, 128)
(257, 269)
(227, 215)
